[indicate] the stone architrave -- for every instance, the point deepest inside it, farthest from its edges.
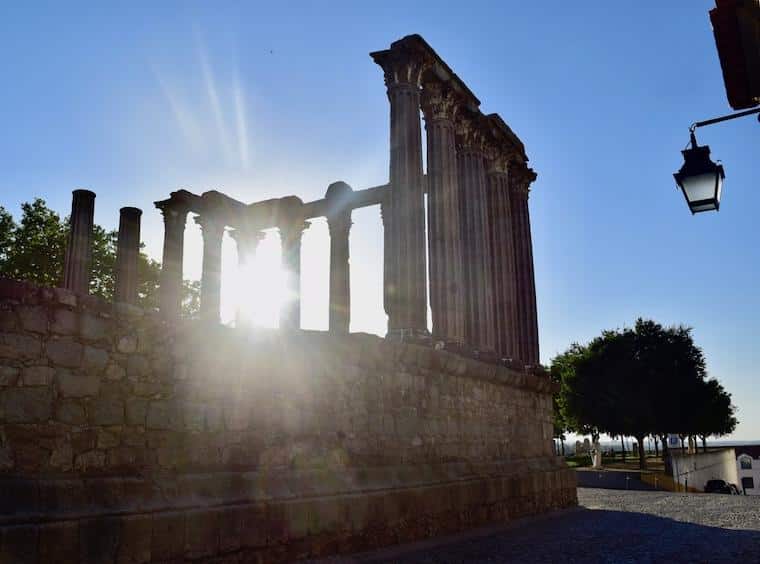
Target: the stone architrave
(480, 330)
(212, 229)
(127, 255)
(77, 267)
(520, 178)
(503, 255)
(170, 290)
(405, 296)
(439, 104)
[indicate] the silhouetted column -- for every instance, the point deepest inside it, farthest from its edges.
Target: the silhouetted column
(290, 237)
(170, 291)
(444, 235)
(211, 276)
(246, 241)
(340, 276)
(127, 254)
(520, 177)
(503, 259)
(76, 273)
(479, 317)
(405, 292)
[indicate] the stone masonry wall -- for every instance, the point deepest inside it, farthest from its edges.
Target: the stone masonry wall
(210, 441)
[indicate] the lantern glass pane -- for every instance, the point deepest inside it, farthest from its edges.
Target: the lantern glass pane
(699, 187)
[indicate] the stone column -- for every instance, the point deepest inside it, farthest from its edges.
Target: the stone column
(520, 178)
(247, 241)
(503, 258)
(444, 226)
(170, 291)
(480, 331)
(340, 275)
(290, 237)
(211, 275)
(127, 255)
(76, 272)
(404, 211)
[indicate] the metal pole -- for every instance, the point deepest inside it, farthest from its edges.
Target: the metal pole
(723, 118)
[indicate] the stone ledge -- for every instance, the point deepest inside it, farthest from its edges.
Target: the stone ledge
(50, 499)
(285, 529)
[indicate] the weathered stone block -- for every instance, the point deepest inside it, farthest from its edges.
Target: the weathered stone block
(136, 411)
(65, 297)
(167, 537)
(26, 405)
(114, 372)
(127, 344)
(8, 375)
(108, 439)
(19, 347)
(94, 360)
(62, 457)
(19, 545)
(37, 375)
(106, 411)
(163, 415)
(134, 546)
(90, 460)
(70, 412)
(33, 318)
(65, 322)
(64, 352)
(77, 385)
(137, 366)
(59, 542)
(201, 534)
(93, 327)
(98, 540)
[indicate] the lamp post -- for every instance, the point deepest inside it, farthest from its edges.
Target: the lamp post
(700, 179)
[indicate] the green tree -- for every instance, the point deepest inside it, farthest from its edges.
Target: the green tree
(34, 250)
(608, 385)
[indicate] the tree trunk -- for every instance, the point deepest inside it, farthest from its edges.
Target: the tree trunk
(622, 444)
(642, 453)
(683, 447)
(656, 447)
(562, 443)
(704, 444)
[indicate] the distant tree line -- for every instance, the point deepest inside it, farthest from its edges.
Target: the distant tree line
(648, 380)
(34, 250)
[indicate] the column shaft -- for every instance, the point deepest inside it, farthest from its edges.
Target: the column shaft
(170, 291)
(503, 259)
(290, 236)
(444, 226)
(127, 255)
(76, 274)
(526, 289)
(211, 275)
(340, 276)
(479, 318)
(246, 241)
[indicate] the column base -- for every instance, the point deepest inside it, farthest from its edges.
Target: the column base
(413, 336)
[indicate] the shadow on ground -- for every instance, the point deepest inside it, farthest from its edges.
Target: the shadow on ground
(583, 535)
(614, 480)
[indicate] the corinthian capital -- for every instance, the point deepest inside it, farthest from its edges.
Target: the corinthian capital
(470, 135)
(520, 177)
(438, 101)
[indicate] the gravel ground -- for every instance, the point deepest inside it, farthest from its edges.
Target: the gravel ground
(609, 526)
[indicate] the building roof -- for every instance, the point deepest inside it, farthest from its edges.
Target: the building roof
(749, 450)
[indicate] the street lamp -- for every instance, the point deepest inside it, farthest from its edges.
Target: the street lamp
(700, 179)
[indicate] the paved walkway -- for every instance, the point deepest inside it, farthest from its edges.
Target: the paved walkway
(609, 526)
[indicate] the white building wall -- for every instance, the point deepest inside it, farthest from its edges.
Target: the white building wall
(753, 473)
(695, 470)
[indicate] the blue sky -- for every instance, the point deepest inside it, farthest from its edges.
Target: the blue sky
(259, 100)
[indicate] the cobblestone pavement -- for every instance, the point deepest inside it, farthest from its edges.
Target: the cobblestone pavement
(609, 526)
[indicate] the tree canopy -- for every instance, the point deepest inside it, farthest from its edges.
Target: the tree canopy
(34, 250)
(635, 382)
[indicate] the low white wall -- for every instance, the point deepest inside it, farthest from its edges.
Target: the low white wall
(694, 470)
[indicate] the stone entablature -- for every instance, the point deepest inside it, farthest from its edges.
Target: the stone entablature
(110, 418)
